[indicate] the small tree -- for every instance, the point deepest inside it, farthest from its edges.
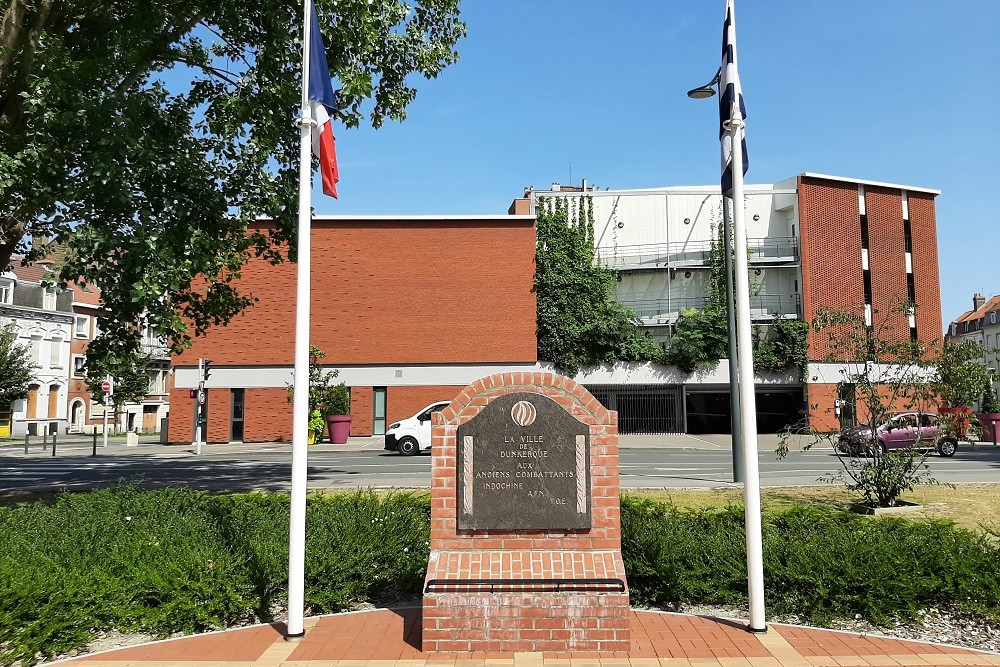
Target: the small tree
(888, 373)
(961, 378)
(128, 369)
(16, 369)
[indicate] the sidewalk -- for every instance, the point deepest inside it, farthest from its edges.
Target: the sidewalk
(77, 445)
(391, 638)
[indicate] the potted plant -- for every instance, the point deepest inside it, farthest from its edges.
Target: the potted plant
(989, 416)
(329, 402)
(960, 379)
(316, 426)
(337, 405)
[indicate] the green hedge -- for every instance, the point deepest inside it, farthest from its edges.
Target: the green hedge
(819, 564)
(184, 561)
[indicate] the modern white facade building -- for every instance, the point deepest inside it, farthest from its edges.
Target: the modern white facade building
(44, 321)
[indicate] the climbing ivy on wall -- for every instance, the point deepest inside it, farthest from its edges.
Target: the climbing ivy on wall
(579, 322)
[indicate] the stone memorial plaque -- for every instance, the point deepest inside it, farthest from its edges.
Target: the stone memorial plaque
(523, 464)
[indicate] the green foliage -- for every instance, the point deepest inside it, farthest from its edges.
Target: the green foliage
(819, 564)
(153, 190)
(16, 369)
(325, 396)
(785, 346)
(579, 322)
(887, 373)
(989, 404)
(701, 338)
(961, 378)
(128, 368)
(316, 423)
(184, 561)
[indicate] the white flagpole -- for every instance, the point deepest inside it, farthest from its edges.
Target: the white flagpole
(744, 354)
(300, 383)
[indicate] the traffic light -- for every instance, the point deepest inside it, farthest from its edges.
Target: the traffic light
(206, 369)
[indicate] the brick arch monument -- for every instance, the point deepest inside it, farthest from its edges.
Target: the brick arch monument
(525, 521)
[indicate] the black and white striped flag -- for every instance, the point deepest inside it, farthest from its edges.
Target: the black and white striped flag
(729, 84)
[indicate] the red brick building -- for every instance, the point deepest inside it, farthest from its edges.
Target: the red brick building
(865, 245)
(408, 309)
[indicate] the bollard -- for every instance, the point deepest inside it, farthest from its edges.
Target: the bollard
(54, 437)
(26, 439)
(45, 438)
(94, 433)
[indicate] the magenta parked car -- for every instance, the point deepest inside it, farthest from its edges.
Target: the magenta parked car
(901, 431)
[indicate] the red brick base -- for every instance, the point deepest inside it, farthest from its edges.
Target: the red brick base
(529, 618)
(522, 616)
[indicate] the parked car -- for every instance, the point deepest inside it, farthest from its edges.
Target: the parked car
(413, 434)
(904, 430)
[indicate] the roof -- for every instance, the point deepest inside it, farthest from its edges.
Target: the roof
(879, 184)
(36, 273)
(993, 303)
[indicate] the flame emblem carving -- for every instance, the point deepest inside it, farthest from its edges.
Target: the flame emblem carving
(523, 413)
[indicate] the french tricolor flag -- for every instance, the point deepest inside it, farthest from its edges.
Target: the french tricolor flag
(321, 103)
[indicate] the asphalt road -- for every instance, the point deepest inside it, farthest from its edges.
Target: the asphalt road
(268, 467)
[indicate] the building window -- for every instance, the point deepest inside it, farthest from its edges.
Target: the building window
(81, 326)
(55, 352)
(49, 298)
(378, 424)
(6, 291)
(36, 350)
(157, 382)
(79, 366)
(53, 401)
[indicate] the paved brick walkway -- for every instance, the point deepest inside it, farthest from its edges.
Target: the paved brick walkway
(391, 638)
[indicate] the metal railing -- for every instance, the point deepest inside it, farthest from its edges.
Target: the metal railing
(694, 253)
(643, 408)
(762, 306)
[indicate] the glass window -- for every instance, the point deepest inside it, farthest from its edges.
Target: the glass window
(378, 426)
(49, 298)
(55, 352)
(81, 326)
(6, 291)
(36, 350)
(79, 366)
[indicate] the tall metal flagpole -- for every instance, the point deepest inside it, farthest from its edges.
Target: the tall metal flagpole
(736, 417)
(744, 352)
(300, 383)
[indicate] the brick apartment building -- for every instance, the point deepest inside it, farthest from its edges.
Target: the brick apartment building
(815, 241)
(408, 309)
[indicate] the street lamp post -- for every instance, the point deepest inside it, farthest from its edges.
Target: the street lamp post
(702, 93)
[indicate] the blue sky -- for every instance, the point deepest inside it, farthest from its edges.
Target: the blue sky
(888, 90)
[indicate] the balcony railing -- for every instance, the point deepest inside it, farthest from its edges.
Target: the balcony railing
(666, 311)
(769, 250)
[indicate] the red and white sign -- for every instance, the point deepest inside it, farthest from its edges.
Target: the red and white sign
(106, 386)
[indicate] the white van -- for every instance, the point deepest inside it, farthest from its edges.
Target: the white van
(413, 434)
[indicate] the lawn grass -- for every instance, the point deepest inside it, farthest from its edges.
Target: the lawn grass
(971, 506)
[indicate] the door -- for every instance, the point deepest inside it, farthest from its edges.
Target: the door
(76, 417)
(149, 413)
(236, 415)
(378, 417)
(847, 402)
(901, 432)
